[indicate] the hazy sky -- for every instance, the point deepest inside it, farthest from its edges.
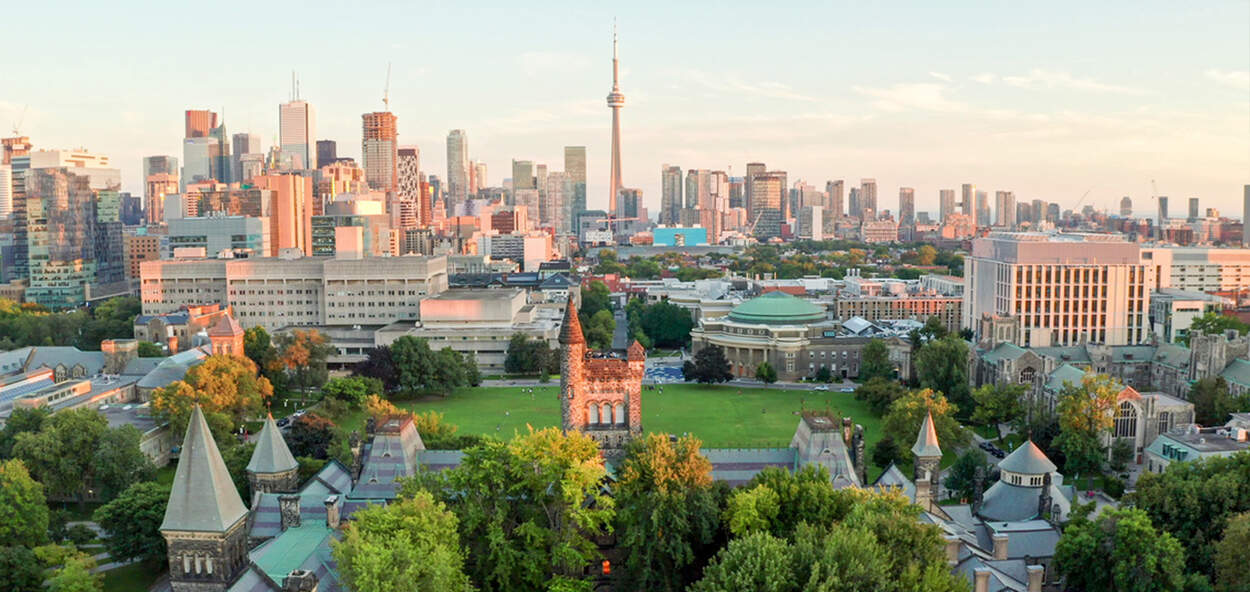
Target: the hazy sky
(1048, 99)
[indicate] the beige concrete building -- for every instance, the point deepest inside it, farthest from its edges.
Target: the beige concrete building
(1064, 289)
(1197, 269)
(293, 290)
(915, 307)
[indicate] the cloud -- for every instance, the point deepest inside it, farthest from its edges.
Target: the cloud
(1038, 78)
(984, 78)
(920, 96)
(941, 76)
(729, 84)
(535, 63)
(1238, 79)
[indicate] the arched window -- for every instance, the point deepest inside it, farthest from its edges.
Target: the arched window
(619, 414)
(1126, 421)
(605, 414)
(1026, 375)
(592, 414)
(1165, 422)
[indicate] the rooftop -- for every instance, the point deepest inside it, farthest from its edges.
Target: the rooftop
(777, 308)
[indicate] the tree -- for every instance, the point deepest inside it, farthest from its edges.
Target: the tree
(598, 329)
(1232, 555)
(942, 365)
(409, 545)
(874, 361)
(352, 389)
(258, 348)
(594, 299)
(439, 434)
(520, 357)
(23, 511)
(667, 325)
(1119, 550)
(1213, 403)
(119, 462)
(961, 476)
(310, 436)
(927, 255)
(379, 364)
(709, 366)
(62, 454)
(759, 562)
(879, 393)
(226, 387)
(133, 521)
(823, 374)
(885, 451)
(1085, 415)
(765, 373)
(75, 576)
(902, 421)
(20, 569)
(667, 513)
(1214, 323)
(777, 501)
(302, 354)
(22, 419)
(236, 459)
(997, 404)
(147, 349)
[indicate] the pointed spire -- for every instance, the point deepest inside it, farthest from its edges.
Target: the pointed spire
(571, 328)
(926, 445)
(203, 498)
(615, 59)
(272, 454)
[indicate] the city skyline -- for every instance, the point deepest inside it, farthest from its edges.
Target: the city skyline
(1039, 121)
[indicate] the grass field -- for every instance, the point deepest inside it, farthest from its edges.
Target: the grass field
(130, 578)
(721, 416)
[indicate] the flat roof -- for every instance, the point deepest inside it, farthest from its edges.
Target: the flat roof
(478, 294)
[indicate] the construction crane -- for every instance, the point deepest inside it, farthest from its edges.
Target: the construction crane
(386, 92)
(1082, 200)
(751, 229)
(17, 125)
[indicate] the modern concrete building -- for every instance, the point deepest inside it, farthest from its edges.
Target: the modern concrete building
(946, 204)
(216, 233)
(766, 215)
(457, 168)
(1065, 289)
(297, 125)
(1197, 269)
(1172, 311)
(575, 167)
(379, 150)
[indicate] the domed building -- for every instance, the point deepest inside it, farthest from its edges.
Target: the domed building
(1028, 487)
(795, 336)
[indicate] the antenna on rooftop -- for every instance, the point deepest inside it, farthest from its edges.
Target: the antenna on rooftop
(386, 91)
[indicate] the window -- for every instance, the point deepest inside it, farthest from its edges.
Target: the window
(1126, 421)
(1165, 422)
(592, 414)
(619, 414)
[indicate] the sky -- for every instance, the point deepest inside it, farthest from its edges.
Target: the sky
(1070, 102)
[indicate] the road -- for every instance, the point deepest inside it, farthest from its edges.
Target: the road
(620, 339)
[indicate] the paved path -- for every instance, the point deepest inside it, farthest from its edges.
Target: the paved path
(620, 338)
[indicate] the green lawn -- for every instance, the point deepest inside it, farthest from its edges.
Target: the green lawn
(130, 578)
(721, 416)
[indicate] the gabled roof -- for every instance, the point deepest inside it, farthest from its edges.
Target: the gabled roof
(271, 454)
(203, 498)
(1028, 459)
(1172, 355)
(226, 327)
(927, 441)
(1004, 351)
(1062, 375)
(1237, 372)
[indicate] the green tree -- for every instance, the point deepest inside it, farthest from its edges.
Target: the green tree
(961, 476)
(902, 421)
(119, 462)
(379, 363)
(778, 500)
(709, 366)
(879, 394)
(823, 375)
(1232, 555)
(62, 454)
(667, 514)
(667, 325)
(310, 436)
(594, 299)
(942, 365)
(758, 562)
(997, 404)
(519, 358)
(598, 329)
(1214, 323)
(258, 347)
(20, 569)
(1119, 550)
(1213, 403)
(885, 451)
(147, 349)
(132, 522)
(352, 389)
(409, 545)
(21, 420)
(228, 389)
(874, 361)
(302, 354)
(765, 373)
(75, 576)
(1085, 415)
(23, 510)
(928, 255)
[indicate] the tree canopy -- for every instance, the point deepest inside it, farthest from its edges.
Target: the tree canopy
(133, 521)
(709, 366)
(997, 404)
(227, 388)
(1119, 550)
(1085, 415)
(902, 421)
(23, 510)
(421, 369)
(75, 449)
(942, 365)
(302, 355)
(874, 361)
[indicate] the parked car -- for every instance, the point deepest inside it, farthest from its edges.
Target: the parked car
(823, 387)
(285, 421)
(847, 389)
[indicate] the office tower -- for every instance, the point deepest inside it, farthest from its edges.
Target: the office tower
(753, 168)
(1193, 209)
(160, 164)
(786, 213)
(74, 232)
(946, 204)
(854, 208)
(906, 206)
(1059, 289)
(1126, 206)
(1039, 212)
(616, 100)
(575, 166)
(523, 175)
(379, 150)
(474, 184)
(1163, 213)
(833, 193)
(13, 147)
(156, 187)
(671, 195)
(243, 145)
(967, 195)
(297, 125)
(479, 173)
(457, 168)
(766, 191)
(696, 188)
(631, 203)
(557, 202)
(983, 208)
(409, 173)
(1245, 216)
(811, 224)
(199, 123)
(6, 190)
(327, 152)
(290, 210)
(1005, 209)
(868, 196)
(1052, 212)
(540, 178)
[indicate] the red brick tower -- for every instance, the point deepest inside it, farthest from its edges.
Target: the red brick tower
(600, 392)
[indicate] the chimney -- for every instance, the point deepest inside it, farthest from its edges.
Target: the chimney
(952, 549)
(1037, 574)
(978, 484)
(1000, 547)
(332, 511)
(981, 579)
(922, 491)
(288, 506)
(300, 580)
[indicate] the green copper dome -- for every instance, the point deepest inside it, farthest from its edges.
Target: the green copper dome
(777, 308)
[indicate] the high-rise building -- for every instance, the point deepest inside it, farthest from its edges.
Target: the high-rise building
(1245, 216)
(575, 166)
(983, 208)
(868, 197)
(409, 188)
(616, 100)
(457, 168)
(243, 145)
(946, 204)
(696, 188)
(766, 189)
(6, 190)
(290, 214)
(1005, 209)
(557, 202)
(297, 124)
(379, 150)
(199, 123)
(160, 164)
(74, 233)
(1163, 215)
(906, 206)
(156, 187)
(968, 196)
(327, 152)
(205, 150)
(854, 207)
(523, 175)
(1193, 209)
(833, 193)
(631, 203)
(753, 168)
(1058, 289)
(670, 195)
(15, 146)
(479, 173)
(1126, 206)
(540, 178)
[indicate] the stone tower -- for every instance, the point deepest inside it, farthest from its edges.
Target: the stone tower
(226, 336)
(600, 392)
(927, 452)
(273, 468)
(205, 522)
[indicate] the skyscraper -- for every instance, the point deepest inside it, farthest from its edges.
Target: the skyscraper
(1193, 209)
(409, 188)
(205, 151)
(753, 168)
(1245, 216)
(1126, 206)
(379, 150)
(946, 204)
(968, 195)
(833, 193)
(479, 172)
(557, 199)
(854, 208)
(868, 196)
(199, 123)
(523, 175)
(906, 206)
(983, 208)
(670, 194)
(74, 232)
(457, 168)
(6, 190)
(766, 189)
(1163, 210)
(327, 152)
(297, 124)
(242, 145)
(1005, 208)
(616, 100)
(575, 166)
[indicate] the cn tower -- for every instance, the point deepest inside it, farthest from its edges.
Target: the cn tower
(616, 100)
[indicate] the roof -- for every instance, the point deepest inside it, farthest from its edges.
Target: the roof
(777, 308)
(1237, 372)
(271, 454)
(203, 497)
(926, 445)
(893, 478)
(1172, 355)
(737, 466)
(1004, 351)
(1028, 459)
(1004, 501)
(1063, 375)
(571, 328)
(226, 327)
